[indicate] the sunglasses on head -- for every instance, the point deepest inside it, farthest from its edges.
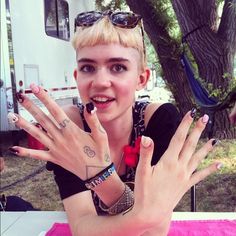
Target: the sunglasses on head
(127, 20)
(120, 19)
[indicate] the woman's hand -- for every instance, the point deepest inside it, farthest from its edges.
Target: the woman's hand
(159, 188)
(84, 154)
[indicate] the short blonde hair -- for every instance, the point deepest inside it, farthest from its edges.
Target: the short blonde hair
(104, 32)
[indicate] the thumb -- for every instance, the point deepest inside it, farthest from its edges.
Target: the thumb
(146, 151)
(97, 131)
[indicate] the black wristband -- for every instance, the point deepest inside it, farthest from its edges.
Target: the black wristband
(100, 177)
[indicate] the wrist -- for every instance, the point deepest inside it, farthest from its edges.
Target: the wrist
(110, 190)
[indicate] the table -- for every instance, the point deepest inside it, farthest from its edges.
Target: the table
(36, 223)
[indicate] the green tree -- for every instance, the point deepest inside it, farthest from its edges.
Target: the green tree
(212, 46)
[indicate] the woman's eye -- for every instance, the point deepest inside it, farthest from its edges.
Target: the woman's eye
(87, 68)
(118, 68)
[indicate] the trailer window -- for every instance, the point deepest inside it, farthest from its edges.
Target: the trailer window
(57, 19)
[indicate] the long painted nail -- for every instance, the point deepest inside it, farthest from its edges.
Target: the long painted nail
(215, 142)
(146, 141)
(90, 108)
(35, 88)
(13, 150)
(20, 98)
(193, 112)
(205, 119)
(12, 118)
(219, 166)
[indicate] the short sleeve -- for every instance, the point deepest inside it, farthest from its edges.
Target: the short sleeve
(161, 128)
(68, 183)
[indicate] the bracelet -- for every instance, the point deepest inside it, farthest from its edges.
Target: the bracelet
(124, 203)
(100, 177)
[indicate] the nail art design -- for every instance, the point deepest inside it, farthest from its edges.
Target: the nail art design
(205, 118)
(193, 112)
(90, 108)
(215, 142)
(146, 141)
(20, 98)
(12, 118)
(219, 166)
(35, 88)
(13, 150)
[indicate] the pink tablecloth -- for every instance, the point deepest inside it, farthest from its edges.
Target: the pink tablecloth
(177, 228)
(203, 228)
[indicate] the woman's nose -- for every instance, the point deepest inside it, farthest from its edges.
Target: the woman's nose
(102, 79)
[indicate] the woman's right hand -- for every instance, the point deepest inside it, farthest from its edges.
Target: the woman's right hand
(159, 188)
(84, 154)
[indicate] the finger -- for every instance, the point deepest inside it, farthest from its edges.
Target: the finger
(192, 140)
(32, 153)
(202, 174)
(39, 115)
(201, 154)
(97, 131)
(37, 133)
(146, 151)
(180, 135)
(55, 110)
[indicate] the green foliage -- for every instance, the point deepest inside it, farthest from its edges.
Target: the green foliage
(114, 5)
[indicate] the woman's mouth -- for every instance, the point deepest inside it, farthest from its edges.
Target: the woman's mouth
(102, 100)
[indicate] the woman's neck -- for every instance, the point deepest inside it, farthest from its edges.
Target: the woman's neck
(119, 130)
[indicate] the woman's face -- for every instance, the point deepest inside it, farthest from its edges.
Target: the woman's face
(108, 76)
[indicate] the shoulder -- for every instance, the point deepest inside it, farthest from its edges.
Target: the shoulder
(73, 112)
(161, 111)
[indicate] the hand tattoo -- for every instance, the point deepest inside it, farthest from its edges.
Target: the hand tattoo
(64, 122)
(89, 152)
(107, 157)
(90, 170)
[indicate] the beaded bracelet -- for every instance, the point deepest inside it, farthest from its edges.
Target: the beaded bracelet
(125, 202)
(100, 177)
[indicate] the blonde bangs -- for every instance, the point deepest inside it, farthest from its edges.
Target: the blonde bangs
(104, 32)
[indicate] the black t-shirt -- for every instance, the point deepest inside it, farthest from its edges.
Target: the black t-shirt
(161, 127)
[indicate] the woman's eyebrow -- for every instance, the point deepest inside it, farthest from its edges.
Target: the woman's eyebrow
(118, 59)
(88, 60)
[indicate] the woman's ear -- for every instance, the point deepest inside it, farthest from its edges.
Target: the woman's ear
(75, 74)
(143, 79)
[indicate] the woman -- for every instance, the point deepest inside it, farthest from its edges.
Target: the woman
(96, 150)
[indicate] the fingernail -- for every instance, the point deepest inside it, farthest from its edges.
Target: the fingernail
(205, 119)
(215, 142)
(12, 118)
(219, 166)
(20, 98)
(90, 108)
(193, 112)
(146, 141)
(13, 150)
(35, 89)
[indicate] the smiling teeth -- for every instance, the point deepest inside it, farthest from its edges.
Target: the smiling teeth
(100, 99)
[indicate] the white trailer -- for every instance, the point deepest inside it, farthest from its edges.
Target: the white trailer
(36, 48)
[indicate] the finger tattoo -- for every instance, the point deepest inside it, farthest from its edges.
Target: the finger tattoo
(89, 152)
(64, 123)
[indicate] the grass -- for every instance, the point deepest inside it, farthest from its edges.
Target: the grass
(216, 193)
